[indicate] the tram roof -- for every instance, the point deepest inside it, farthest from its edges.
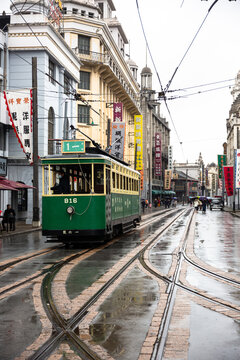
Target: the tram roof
(64, 159)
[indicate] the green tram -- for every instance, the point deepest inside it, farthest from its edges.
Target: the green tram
(103, 199)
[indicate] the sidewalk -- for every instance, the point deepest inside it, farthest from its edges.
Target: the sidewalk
(229, 209)
(20, 228)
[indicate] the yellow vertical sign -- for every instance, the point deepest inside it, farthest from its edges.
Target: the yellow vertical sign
(138, 140)
(167, 179)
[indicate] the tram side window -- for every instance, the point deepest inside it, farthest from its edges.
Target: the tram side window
(84, 179)
(121, 182)
(118, 181)
(98, 179)
(113, 180)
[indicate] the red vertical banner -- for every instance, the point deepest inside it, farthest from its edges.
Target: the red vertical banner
(158, 154)
(117, 112)
(228, 177)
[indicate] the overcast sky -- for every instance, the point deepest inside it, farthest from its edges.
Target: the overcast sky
(170, 25)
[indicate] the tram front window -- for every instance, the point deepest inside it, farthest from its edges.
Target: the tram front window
(63, 184)
(70, 179)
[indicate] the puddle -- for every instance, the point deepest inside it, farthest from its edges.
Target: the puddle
(213, 336)
(213, 287)
(124, 318)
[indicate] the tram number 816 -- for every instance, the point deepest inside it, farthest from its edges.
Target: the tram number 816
(70, 201)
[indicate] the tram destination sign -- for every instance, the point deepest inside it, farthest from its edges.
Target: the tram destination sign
(73, 146)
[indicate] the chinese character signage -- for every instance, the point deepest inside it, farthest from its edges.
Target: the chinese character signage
(206, 178)
(117, 112)
(228, 176)
(19, 107)
(237, 162)
(3, 166)
(167, 179)
(141, 179)
(118, 138)
(170, 157)
(55, 11)
(138, 140)
(158, 154)
(222, 160)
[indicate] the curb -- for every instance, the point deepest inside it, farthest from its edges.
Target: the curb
(20, 232)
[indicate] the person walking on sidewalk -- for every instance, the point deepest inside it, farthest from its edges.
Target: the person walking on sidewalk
(9, 218)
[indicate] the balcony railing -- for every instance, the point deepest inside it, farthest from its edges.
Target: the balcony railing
(107, 59)
(90, 55)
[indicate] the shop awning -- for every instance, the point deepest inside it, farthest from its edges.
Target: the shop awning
(5, 187)
(6, 184)
(163, 192)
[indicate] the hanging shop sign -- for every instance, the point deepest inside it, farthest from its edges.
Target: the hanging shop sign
(55, 11)
(222, 160)
(138, 141)
(237, 167)
(158, 154)
(167, 179)
(141, 179)
(170, 157)
(118, 140)
(19, 107)
(228, 177)
(206, 178)
(3, 166)
(117, 112)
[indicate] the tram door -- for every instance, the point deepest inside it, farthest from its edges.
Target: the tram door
(108, 200)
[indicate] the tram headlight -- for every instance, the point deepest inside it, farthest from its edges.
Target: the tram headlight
(70, 210)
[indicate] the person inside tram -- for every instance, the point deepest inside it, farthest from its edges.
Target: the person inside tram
(64, 186)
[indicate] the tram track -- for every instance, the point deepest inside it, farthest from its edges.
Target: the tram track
(63, 328)
(17, 261)
(174, 283)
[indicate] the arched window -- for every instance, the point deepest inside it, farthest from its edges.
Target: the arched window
(51, 118)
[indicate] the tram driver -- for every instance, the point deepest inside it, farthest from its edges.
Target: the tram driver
(64, 186)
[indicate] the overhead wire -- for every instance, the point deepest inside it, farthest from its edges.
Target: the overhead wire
(149, 50)
(190, 45)
(43, 46)
(77, 97)
(198, 92)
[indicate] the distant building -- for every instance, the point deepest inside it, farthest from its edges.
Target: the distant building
(233, 123)
(154, 124)
(212, 180)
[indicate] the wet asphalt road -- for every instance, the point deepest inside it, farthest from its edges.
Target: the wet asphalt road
(134, 301)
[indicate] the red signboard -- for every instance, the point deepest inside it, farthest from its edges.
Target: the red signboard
(158, 154)
(117, 112)
(228, 177)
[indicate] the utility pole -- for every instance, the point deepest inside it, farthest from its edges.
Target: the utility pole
(186, 192)
(203, 180)
(36, 219)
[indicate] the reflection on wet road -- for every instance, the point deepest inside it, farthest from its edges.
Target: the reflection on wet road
(161, 253)
(217, 240)
(124, 318)
(213, 287)
(18, 245)
(213, 335)
(20, 324)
